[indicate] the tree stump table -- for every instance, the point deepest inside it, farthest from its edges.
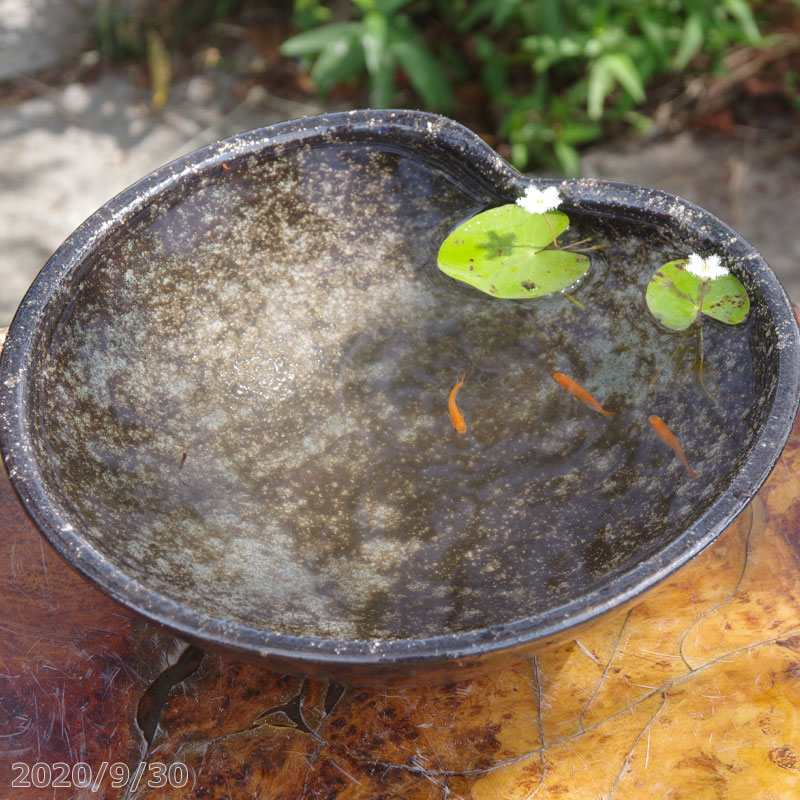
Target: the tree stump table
(692, 693)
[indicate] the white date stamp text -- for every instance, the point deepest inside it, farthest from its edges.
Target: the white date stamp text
(59, 774)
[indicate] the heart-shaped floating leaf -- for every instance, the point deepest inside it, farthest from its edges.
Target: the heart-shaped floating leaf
(500, 252)
(673, 297)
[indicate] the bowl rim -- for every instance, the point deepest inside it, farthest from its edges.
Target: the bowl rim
(38, 313)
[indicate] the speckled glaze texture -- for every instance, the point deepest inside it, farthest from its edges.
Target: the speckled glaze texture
(224, 400)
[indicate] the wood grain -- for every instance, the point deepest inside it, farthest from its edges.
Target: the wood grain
(692, 693)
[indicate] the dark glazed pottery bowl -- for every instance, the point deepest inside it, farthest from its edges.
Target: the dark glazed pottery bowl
(224, 400)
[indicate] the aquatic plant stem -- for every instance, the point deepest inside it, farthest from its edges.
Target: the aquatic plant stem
(701, 301)
(575, 300)
(575, 246)
(698, 320)
(552, 230)
(700, 368)
(669, 360)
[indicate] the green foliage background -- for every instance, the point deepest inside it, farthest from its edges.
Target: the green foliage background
(557, 72)
(540, 77)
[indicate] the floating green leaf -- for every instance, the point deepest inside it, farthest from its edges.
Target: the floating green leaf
(673, 296)
(501, 252)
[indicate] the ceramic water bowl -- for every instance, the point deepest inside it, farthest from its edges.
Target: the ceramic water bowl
(224, 400)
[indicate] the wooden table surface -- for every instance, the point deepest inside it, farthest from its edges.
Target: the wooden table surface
(694, 693)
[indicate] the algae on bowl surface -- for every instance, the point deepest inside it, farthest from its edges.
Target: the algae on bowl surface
(249, 388)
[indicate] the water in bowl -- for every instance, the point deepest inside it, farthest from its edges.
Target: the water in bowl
(246, 406)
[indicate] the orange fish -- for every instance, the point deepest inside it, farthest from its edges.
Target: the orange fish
(574, 388)
(456, 417)
(668, 437)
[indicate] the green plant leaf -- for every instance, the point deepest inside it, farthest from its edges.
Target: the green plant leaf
(313, 41)
(567, 155)
(580, 133)
(483, 8)
(691, 41)
(740, 10)
(654, 32)
(673, 297)
(378, 58)
(390, 7)
(621, 67)
(501, 253)
(500, 12)
(600, 85)
(338, 61)
(423, 71)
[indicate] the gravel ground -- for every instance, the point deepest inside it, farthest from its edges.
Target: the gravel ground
(68, 150)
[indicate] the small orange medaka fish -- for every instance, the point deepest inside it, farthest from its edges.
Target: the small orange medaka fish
(456, 417)
(574, 388)
(668, 437)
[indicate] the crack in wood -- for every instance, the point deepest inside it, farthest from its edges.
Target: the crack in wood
(663, 690)
(332, 697)
(293, 709)
(604, 675)
(751, 526)
(154, 698)
(635, 744)
(372, 764)
(538, 685)
(310, 764)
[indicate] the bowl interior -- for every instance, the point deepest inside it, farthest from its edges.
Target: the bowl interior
(242, 402)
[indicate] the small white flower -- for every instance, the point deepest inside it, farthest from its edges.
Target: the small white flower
(707, 269)
(538, 201)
